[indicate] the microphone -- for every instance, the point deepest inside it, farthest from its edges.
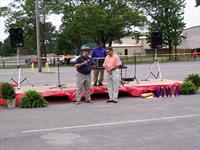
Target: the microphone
(88, 60)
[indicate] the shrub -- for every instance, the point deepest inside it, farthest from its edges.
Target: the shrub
(194, 78)
(7, 91)
(188, 88)
(33, 99)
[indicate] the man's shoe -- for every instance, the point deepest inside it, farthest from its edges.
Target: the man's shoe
(94, 84)
(115, 101)
(77, 103)
(90, 101)
(109, 101)
(100, 84)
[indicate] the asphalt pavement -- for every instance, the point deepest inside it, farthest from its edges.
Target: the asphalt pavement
(173, 71)
(132, 124)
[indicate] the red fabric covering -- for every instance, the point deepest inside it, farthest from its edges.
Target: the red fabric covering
(71, 93)
(2, 101)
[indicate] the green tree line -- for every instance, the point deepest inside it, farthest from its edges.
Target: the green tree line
(91, 21)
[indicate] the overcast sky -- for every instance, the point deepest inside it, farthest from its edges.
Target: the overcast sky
(191, 17)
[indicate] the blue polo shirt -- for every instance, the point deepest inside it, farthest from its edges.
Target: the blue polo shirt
(98, 52)
(85, 69)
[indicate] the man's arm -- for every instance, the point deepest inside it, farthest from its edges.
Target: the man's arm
(93, 53)
(80, 64)
(105, 54)
(93, 66)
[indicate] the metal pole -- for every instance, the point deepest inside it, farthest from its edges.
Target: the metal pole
(19, 68)
(44, 36)
(4, 64)
(156, 54)
(59, 85)
(18, 56)
(38, 35)
(135, 66)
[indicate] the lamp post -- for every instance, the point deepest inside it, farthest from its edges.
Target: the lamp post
(38, 35)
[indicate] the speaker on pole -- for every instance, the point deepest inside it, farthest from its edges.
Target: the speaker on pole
(156, 40)
(156, 43)
(17, 41)
(16, 37)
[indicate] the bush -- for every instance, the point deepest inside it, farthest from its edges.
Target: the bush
(188, 88)
(33, 99)
(7, 91)
(194, 78)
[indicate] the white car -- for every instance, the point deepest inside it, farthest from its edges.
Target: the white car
(73, 60)
(62, 58)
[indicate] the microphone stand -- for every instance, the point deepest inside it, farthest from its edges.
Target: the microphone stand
(135, 78)
(58, 76)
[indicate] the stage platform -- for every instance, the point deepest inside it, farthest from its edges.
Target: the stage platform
(68, 92)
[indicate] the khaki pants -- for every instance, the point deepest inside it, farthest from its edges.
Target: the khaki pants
(99, 73)
(83, 82)
(113, 85)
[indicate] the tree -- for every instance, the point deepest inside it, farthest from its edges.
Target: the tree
(21, 13)
(166, 17)
(83, 20)
(50, 36)
(6, 49)
(2, 9)
(1, 44)
(103, 21)
(122, 18)
(197, 3)
(83, 25)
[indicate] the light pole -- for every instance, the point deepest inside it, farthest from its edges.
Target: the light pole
(37, 13)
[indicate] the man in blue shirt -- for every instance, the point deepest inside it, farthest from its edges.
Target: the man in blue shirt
(84, 65)
(98, 52)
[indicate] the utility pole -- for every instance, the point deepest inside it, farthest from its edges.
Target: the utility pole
(37, 13)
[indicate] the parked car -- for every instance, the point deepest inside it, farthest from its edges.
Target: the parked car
(29, 60)
(73, 59)
(61, 59)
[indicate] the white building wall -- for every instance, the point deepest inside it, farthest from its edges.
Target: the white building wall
(131, 49)
(191, 38)
(131, 45)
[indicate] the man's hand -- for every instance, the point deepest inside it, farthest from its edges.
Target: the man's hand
(109, 72)
(77, 66)
(94, 67)
(113, 68)
(85, 62)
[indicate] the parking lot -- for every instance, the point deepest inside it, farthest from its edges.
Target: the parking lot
(173, 71)
(132, 124)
